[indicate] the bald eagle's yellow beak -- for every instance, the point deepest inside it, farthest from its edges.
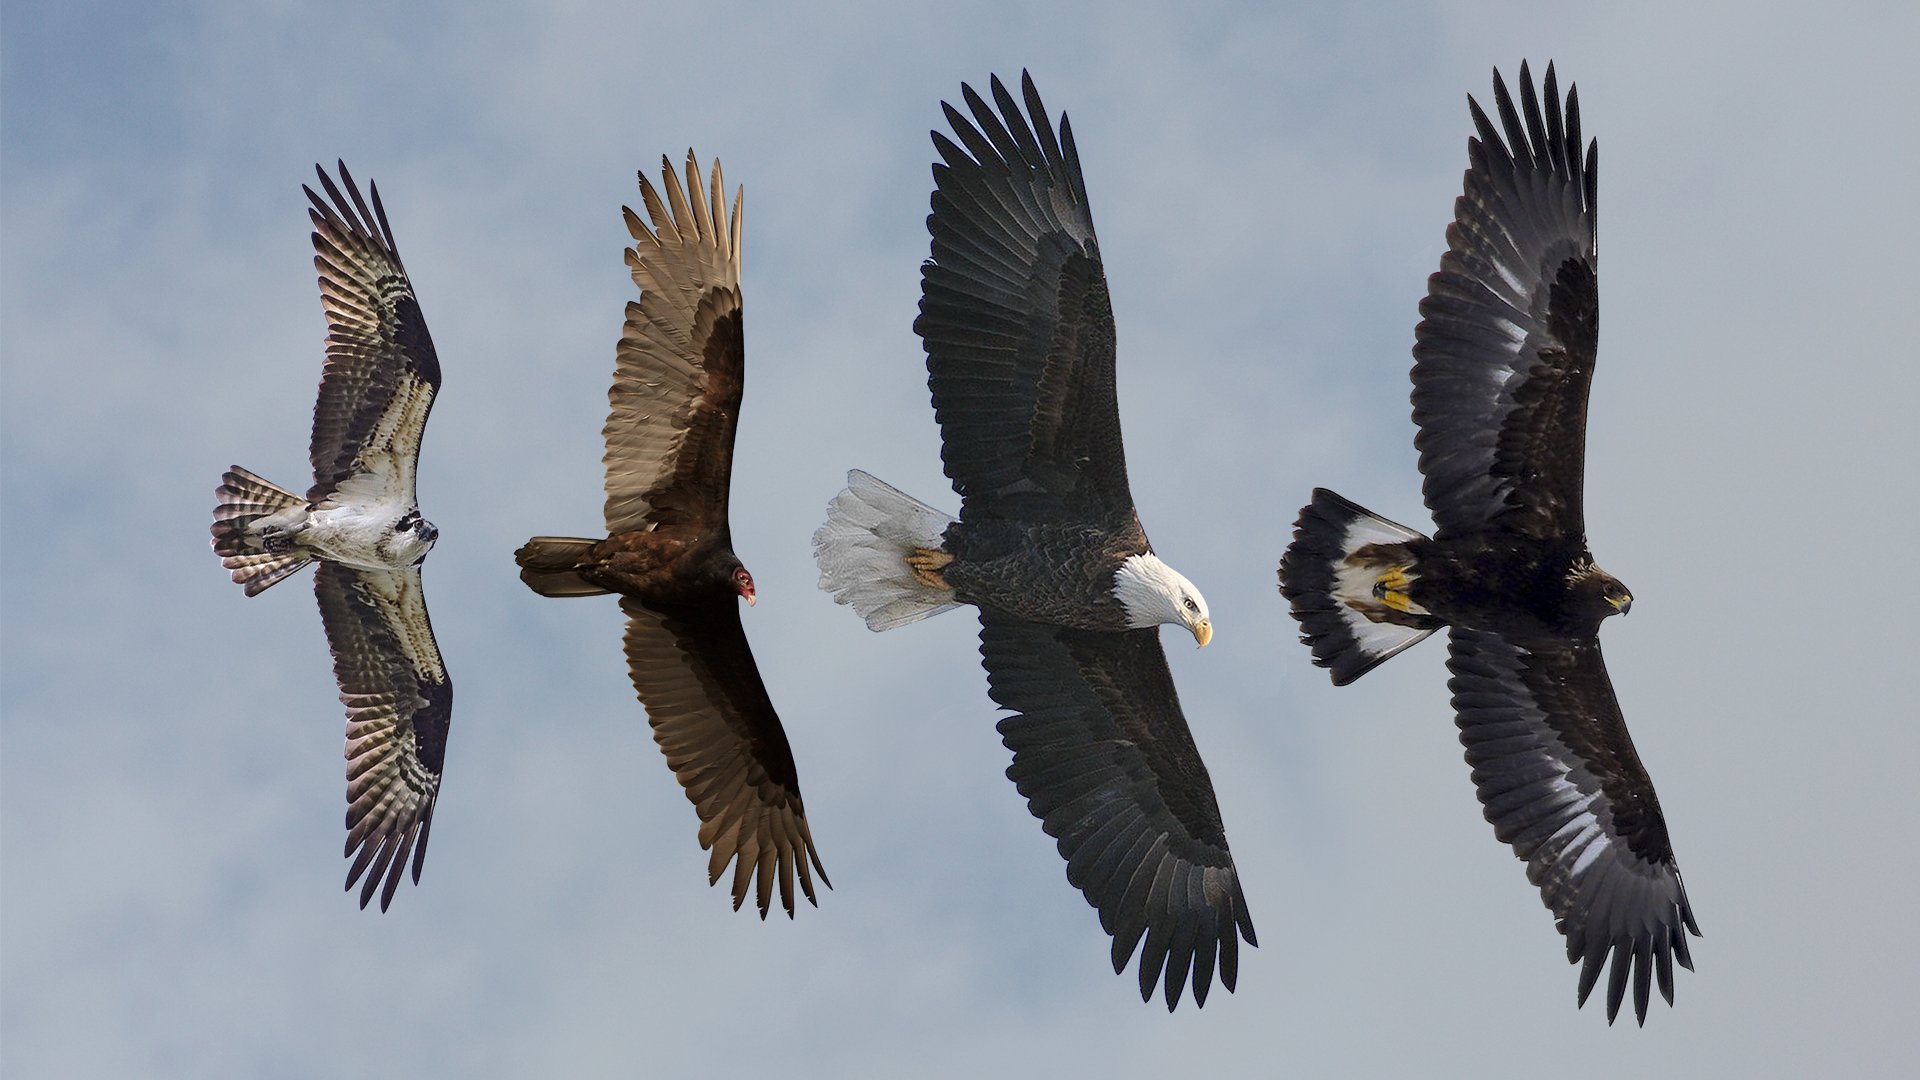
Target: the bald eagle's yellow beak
(1203, 632)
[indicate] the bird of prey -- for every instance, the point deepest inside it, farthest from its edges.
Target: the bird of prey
(1019, 335)
(361, 522)
(1503, 359)
(669, 553)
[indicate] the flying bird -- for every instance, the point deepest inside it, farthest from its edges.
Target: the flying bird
(1503, 359)
(1019, 336)
(669, 553)
(361, 522)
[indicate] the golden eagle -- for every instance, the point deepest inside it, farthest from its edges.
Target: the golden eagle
(677, 383)
(1503, 359)
(361, 522)
(1019, 335)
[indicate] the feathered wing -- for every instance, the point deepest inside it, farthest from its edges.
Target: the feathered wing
(381, 372)
(1560, 781)
(399, 701)
(714, 722)
(1105, 760)
(1016, 319)
(1505, 350)
(678, 372)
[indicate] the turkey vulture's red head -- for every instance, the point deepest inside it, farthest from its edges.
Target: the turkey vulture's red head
(743, 584)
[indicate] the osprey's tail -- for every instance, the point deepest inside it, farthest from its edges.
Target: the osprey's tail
(249, 507)
(876, 545)
(1346, 574)
(547, 566)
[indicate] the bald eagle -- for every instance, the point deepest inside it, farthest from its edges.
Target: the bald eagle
(361, 522)
(677, 382)
(1503, 360)
(1019, 338)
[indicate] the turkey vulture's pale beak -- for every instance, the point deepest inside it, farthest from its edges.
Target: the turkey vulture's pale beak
(1203, 632)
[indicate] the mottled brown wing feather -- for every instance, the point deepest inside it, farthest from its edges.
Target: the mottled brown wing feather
(381, 372)
(399, 701)
(1504, 353)
(678, 372)
(1106, 762)
(1016, 320)
(711, 715)
(1559, 779)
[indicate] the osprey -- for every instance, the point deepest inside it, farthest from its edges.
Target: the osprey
(361, 522)
(1019, 337)
(1502, 363)
(677, 383)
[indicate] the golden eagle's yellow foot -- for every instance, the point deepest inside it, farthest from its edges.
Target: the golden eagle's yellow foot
(926, 564)
(1391, 589)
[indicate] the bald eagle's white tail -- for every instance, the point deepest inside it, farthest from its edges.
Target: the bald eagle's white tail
(1346, 574)
(862, 550)
(248, 504)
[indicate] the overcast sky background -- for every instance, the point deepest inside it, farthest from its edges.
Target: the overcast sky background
(1271, 185)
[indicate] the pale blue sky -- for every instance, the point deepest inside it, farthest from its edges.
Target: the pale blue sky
(1271, 187)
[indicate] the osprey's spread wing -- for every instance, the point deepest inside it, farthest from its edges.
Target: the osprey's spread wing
(381, 372)
(398, 701)
(1560, 781)
(1015, 318)
(677, 375)
(714, 722)
(1504, 353)
(1103, 756)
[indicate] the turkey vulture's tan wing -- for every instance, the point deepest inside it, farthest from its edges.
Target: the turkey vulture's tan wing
(1102, 753)
(398, 701)
(677, 376)
(381, 371)
(714, 722)
(1504, 353)
(1560, 781)
(1016, 320)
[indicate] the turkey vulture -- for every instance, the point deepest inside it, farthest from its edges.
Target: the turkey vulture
(1019, 336)
(668, 553)
(361, 522)
(1502, 363)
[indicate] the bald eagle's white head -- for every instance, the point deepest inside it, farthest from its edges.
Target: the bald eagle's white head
(1153, 593)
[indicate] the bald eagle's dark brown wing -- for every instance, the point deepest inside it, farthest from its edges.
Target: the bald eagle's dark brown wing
(1505, 350)
(1105, 760)
(1560, 781)
(398, 701)
(713, 720)
(1017, 325)
(677, 374)
(381, 371)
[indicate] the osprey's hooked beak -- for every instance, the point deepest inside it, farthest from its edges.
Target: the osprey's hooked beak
(1203, 632)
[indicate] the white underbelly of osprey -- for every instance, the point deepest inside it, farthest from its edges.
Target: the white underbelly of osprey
(364, 537)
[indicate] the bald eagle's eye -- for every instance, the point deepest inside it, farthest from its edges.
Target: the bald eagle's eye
(1188, 601)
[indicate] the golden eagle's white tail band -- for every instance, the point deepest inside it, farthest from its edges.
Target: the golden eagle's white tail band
(862, 552)
(1338, 589)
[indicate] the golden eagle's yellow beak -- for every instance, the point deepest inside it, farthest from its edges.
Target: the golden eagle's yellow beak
(1203, 632)
(1622, 604)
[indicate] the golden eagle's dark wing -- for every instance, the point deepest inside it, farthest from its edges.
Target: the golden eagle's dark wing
(677, 374)
(1560, 781)
(381, 372)
(1504, 353)
(1105, 760)
(398, 701)
(1016, 322)
(713, 720)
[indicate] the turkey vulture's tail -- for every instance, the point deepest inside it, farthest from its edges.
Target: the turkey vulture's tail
(1346, 574)
(252, 530)
(547, 566)
(877, 549)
